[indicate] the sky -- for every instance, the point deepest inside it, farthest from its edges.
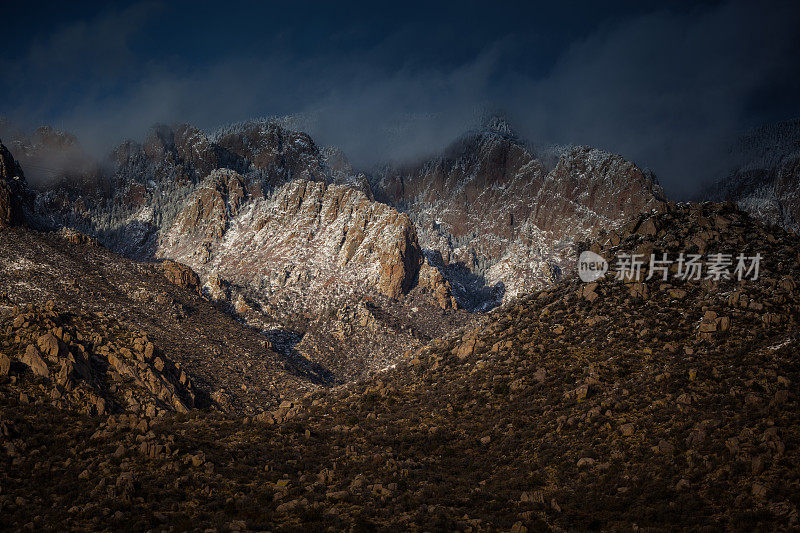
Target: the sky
(667, 85)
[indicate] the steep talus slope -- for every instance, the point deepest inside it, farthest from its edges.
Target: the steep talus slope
(766, 182)
(617, 405)
(489, 205)
(111, 302)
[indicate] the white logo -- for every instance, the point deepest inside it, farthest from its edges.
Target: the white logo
(591, 266)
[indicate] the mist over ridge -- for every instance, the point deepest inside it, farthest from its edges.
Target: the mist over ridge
(666, 88)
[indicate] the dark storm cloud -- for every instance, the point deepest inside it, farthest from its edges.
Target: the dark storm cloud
(666, 88)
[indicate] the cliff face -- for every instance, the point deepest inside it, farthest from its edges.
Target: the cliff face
(325, 270)
(309, 235)
(491, 206)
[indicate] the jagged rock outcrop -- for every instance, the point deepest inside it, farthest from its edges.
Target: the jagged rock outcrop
(281, 154)
(180, 275)
(311, 235)
(216, 200)
(89, 364)
(76, 237)
(432, 281)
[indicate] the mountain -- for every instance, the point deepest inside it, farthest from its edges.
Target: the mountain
(490, 208)
(295, 241)
(335, 230)
(132, 330)
(766, 179)
(298, 243)
(143, 189)
(312, 250)
(239, 330)
(612, 405)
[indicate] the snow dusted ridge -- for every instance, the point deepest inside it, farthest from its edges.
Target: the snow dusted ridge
(312, 238)
(766, 182)
(495, 215)
(488, 211)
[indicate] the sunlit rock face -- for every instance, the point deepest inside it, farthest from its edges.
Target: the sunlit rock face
(307, 235)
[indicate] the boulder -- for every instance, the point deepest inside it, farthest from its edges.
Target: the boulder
(34, 360)
(5, 364)
(48, 344)
(181, 275)
(647, 228)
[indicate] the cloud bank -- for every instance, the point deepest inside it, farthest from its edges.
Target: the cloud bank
(666, 89)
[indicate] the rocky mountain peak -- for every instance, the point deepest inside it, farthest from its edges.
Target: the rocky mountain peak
(47, 136)
(489, 207)
(299, 229)
(498, 124)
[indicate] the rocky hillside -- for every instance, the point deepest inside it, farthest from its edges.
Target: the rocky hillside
(316, 268)
(246, 194)
(766, 180)
(94, 326)
(616, 405)
(493, 214)
(285, 235)
(84, 370)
